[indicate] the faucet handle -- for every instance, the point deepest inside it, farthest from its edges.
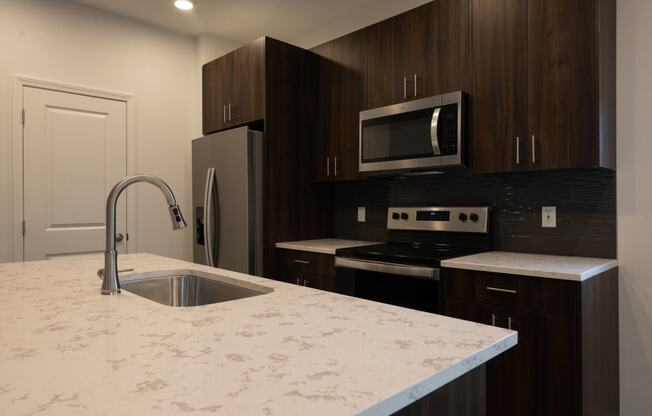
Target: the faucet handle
(100, 272)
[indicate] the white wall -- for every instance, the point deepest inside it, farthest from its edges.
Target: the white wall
(67, 42)
(635, 204)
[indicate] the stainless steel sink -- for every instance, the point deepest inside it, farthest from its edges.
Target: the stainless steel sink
(190, 287)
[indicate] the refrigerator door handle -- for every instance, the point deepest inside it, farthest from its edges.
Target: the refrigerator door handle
(208, 212)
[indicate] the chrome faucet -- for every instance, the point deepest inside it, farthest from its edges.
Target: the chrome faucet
(110, 282)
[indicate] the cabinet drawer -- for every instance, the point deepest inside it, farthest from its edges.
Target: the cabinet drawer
(524, 292)
(307, 262)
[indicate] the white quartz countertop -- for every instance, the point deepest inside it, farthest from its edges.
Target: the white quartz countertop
(67, 350)
(324, 246)
(538, 265)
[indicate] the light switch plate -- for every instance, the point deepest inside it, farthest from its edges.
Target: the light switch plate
(362, 214)
(549, 217)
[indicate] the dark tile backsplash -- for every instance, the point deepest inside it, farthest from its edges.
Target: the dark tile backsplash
(585, 201)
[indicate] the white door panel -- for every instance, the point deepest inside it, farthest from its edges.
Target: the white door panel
(74, 152)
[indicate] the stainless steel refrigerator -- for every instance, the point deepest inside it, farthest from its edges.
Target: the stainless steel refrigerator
(227, 198)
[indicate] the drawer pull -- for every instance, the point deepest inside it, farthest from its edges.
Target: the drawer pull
(298, 282)
(510, 322)
(493, 319)
(301, 261)
(499, 290)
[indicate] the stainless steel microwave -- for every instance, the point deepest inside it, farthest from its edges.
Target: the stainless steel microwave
(420, 135)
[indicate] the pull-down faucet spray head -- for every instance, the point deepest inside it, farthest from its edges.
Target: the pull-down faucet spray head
(178, 223)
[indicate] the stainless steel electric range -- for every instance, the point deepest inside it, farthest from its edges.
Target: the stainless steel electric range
(405, 271)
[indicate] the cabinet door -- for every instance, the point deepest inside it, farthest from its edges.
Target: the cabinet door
(497, 382)
(543, 368)
(499, 96)
(342, 83)
(214, 95)
(561, 84)
(451, 70)
(246, 94)
(389, 70)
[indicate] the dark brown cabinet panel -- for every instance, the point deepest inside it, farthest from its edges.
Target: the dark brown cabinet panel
(543, 85)
(214, 95)
(233, 88)
(564, 340)
(309, 269)
(341, 74)
(561, 74)
(499, 96)
(420, 53)
(247, 92)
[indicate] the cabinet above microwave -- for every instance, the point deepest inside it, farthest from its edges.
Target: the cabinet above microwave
(421, 135)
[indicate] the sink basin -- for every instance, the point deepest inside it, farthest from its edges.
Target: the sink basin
(190, 287)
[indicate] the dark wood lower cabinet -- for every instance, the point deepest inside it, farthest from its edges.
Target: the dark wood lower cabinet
(464, 396)
(308, 269)
(565, 363)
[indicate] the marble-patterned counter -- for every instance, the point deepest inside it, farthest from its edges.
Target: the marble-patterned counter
(67, 350)
(323, 246)
(537, 265)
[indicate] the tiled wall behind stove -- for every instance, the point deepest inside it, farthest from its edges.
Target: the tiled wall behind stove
(585, 201)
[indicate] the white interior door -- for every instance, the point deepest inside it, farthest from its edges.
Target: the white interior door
(75, 150)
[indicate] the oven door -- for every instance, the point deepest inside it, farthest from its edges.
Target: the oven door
(424, 134)
(414, 287)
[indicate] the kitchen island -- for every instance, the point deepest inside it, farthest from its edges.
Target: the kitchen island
(67, 350)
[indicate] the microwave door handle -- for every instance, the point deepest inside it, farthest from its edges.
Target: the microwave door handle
(434, 140)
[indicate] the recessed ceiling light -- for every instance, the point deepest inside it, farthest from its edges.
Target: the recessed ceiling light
(184, 4)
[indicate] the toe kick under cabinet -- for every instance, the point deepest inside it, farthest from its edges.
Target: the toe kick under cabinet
(566, 360)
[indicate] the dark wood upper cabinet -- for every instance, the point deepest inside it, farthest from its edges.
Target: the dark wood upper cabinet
(419, 53)
(499, 95)
(543, 85)
(233, 88)
(341, 95)
(214, 95)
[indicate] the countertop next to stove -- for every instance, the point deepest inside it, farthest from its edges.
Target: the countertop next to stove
(67, 350)
(323, 246)
(537, 265)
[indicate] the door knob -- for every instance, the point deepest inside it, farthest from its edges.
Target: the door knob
(119, 237)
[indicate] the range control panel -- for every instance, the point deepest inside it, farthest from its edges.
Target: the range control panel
(451, 219)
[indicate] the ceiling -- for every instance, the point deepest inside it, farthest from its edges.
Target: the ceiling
(240, 20)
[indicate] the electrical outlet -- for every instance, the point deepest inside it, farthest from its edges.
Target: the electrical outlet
(549, 217)
(362, 214)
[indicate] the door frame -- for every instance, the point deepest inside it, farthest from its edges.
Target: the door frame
(17, 239)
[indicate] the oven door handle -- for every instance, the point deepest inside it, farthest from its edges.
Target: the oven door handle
(389, 268)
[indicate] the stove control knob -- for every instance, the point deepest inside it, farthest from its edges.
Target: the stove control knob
(474, 217)
(404, 215)
(395, 216)
(463, 217)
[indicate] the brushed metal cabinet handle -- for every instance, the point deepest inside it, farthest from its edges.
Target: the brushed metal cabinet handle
(518, 150)
(510, 322)
(335, 162)
(230, 114)
(306, 282)
(534, 150)
(416, 92)
(298, 282)
(328, 166)
(493, 319)
(501, 290)
(405, 96)
(224, 113)
(301, 261)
